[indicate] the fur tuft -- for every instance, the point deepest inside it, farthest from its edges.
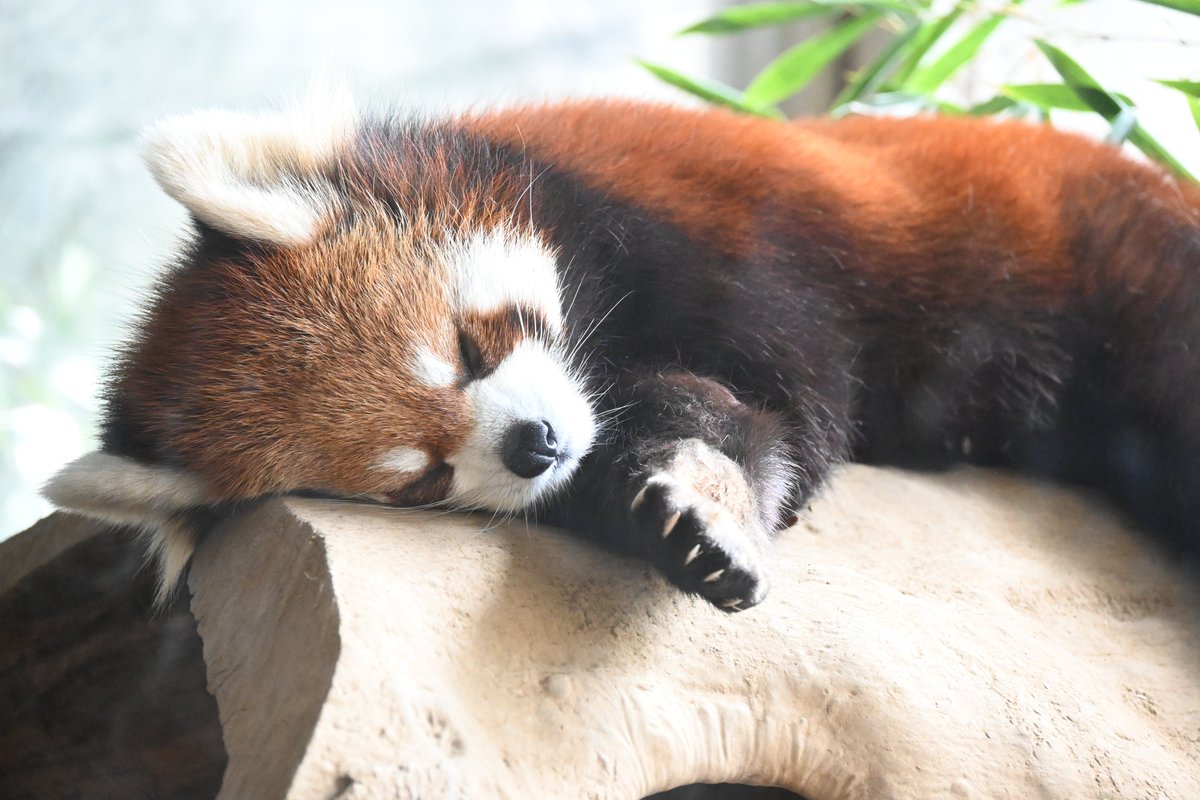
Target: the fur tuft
(157, 501)
(255, 176)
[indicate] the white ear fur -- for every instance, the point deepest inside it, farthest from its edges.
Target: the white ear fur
(256, 176)
(153, 499)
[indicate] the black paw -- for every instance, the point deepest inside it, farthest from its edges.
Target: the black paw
(699, 544)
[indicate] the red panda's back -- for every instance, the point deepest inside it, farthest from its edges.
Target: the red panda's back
(891, 193)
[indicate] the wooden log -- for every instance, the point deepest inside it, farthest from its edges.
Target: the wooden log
(99, 697)
(966, 635)
(962, 635)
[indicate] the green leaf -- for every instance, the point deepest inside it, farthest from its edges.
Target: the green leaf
(1053, 95)
(996, 105)
(758, 15)
(1187, 87)
(1189, 6)
(929, 36)
(791, 71)
(869, 78)
(710, 91)
(1194, 105)
(930, 78)
(1106, 104)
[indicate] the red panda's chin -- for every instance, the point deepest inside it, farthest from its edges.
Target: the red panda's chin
(432, 488)
(505, 492)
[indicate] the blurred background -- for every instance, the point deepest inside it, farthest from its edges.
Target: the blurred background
(84, 230)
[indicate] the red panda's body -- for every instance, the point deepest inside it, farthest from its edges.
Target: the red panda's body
(714, 309)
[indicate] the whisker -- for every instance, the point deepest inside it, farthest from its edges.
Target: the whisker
(595, 326)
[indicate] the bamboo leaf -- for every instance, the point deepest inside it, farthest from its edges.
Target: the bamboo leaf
(1188, 6)
(875, 74)
(1092, 93)
(791, 71)
(996, 105)
(929, 36)
(758, 15)
(710, 91)
(1106, 104)
(1187, 87)
(1053, 95)
(930, 78)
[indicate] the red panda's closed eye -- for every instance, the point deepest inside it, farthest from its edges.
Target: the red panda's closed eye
(470, 356)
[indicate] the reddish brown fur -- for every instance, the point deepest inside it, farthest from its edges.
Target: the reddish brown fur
(309, 342)
(277, 340)
(713, 173)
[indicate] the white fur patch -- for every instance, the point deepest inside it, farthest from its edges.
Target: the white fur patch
(256, 176)
(432, 370)
(404, 459)
(495, 270)
(122, 490)
(125, 492)
(529, 384)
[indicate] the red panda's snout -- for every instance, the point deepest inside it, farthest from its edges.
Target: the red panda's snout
(532, 424)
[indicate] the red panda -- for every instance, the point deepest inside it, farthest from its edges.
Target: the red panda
(657, 327)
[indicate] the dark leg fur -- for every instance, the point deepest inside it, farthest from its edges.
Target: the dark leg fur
(692, 480)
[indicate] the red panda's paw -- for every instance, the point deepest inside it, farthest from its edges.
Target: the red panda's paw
(693, 520)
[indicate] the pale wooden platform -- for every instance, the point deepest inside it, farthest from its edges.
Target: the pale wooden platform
(965, 635)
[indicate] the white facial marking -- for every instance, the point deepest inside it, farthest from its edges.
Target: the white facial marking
(530, 384)
(499, 269)
(405, 460)
(432, 370)
(257, 176)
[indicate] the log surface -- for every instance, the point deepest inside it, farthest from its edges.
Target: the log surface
(964, 635)
(961, 635)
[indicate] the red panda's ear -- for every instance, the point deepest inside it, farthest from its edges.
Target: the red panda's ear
(255, 176)
(160, 502)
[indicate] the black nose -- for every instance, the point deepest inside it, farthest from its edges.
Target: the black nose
(529, 448)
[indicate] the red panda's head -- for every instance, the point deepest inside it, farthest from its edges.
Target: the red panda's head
(353, 318)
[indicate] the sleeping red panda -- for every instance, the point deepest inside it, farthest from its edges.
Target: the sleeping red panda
(657, 327)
